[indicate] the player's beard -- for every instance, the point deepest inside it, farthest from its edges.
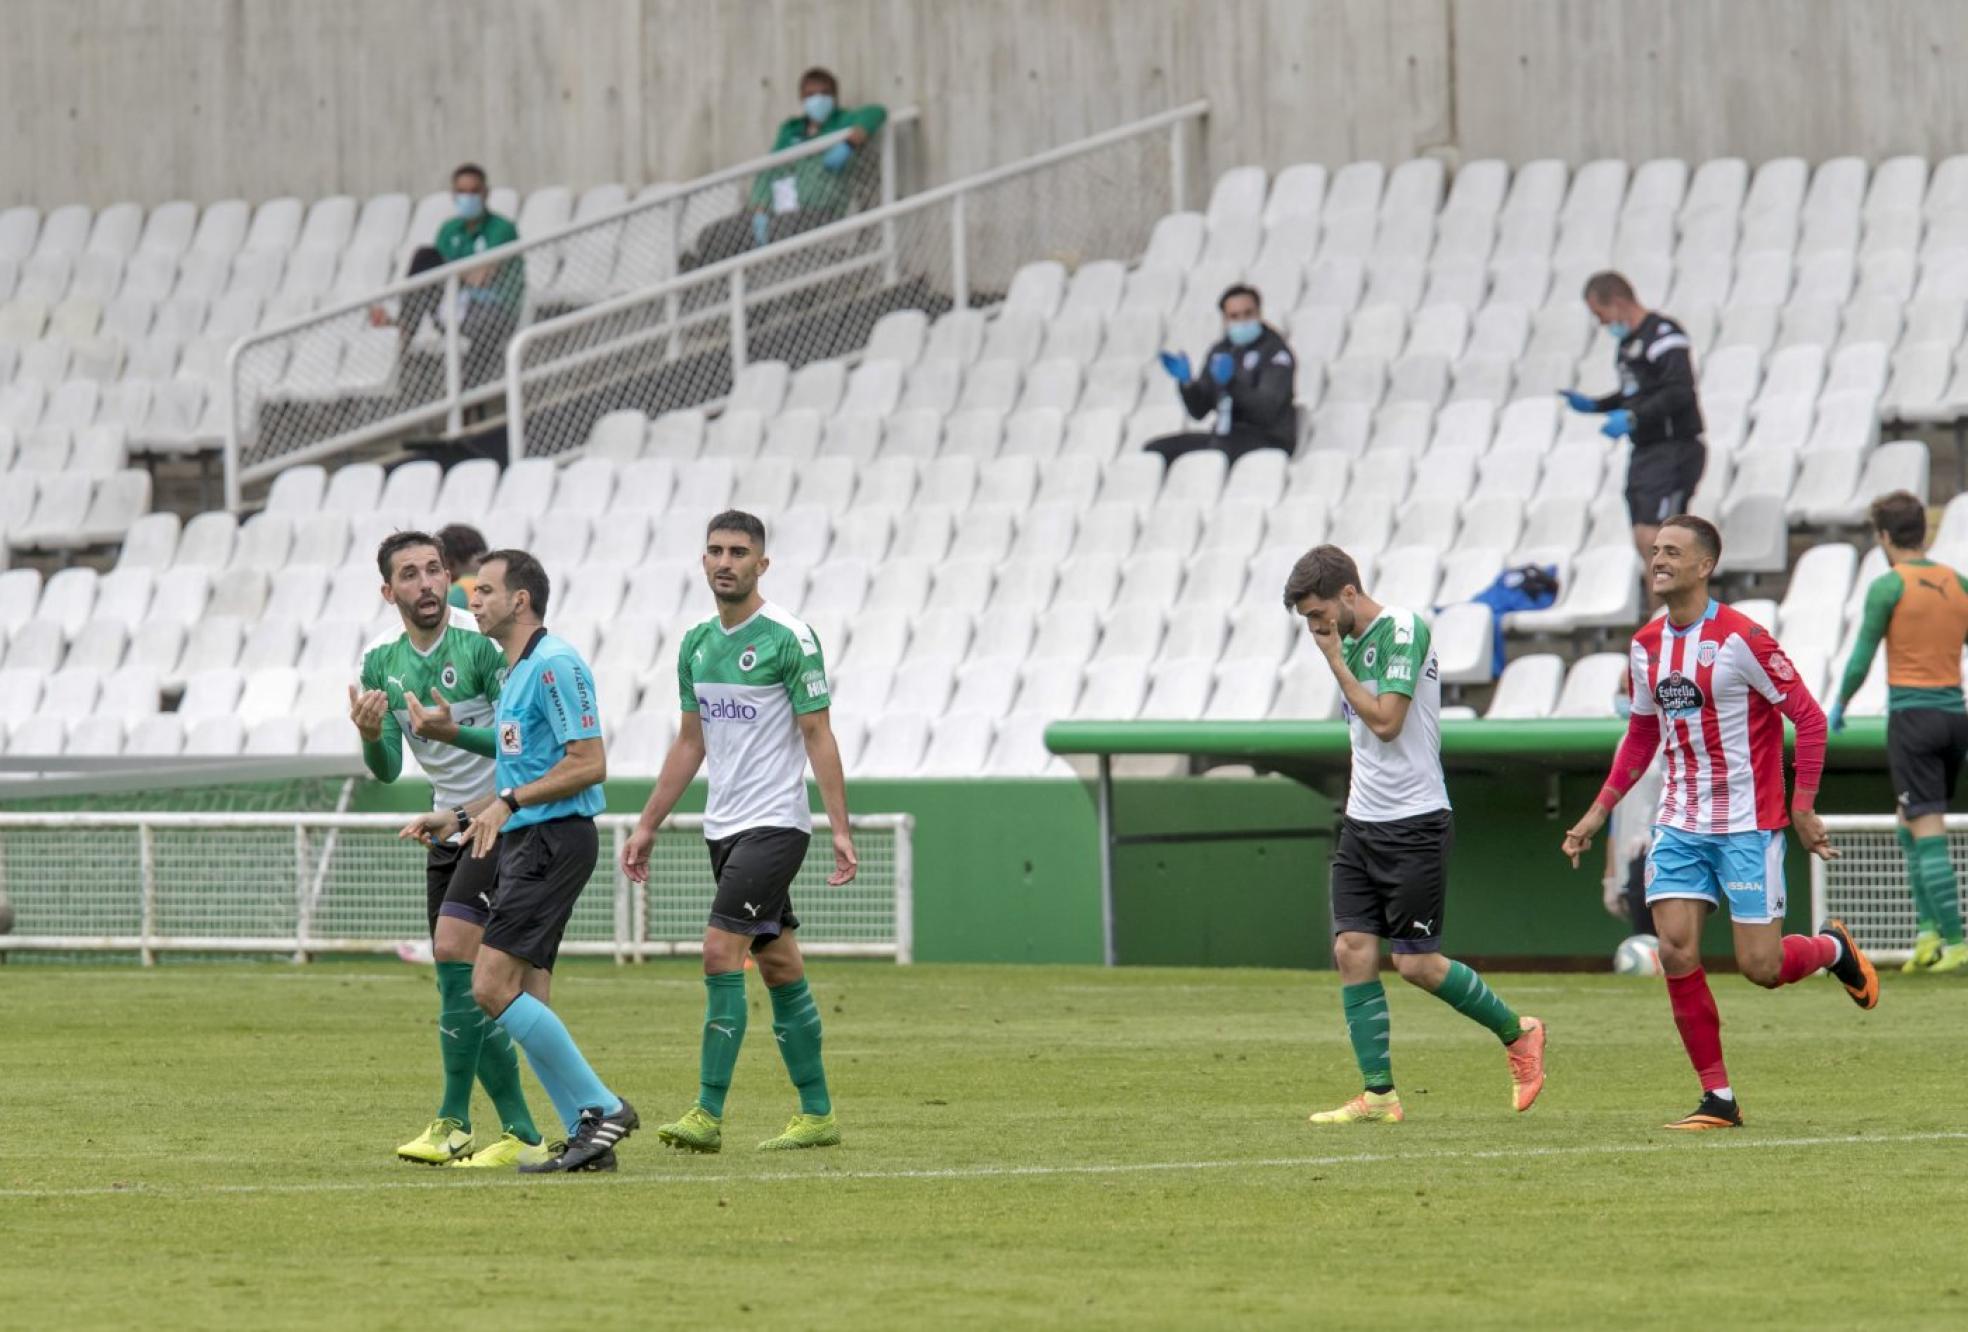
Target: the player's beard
(422, 618)
(734, 593)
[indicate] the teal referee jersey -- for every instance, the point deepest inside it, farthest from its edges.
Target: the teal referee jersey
(547, 700)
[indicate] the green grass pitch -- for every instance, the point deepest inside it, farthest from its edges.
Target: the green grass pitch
(211, 1146)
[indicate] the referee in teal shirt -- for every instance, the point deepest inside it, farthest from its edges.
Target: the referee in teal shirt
(546, 737)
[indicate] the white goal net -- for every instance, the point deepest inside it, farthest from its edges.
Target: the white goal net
(1866, 887)
(302, 884)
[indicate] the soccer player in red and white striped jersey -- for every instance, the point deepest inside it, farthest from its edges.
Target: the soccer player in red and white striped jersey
(1711, 690)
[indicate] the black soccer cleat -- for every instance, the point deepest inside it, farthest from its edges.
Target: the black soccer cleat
(592, 1148)
(1713, 1113)
(1853, 969)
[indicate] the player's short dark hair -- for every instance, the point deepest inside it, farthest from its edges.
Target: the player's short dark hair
(464, 546)
(470, 169)
(1706, 534)
(1901, 518)
(397, 542)
(821, 74)
(737, 520)
(1239, 289)
(1608, 286)
(1323, 572)
(523, 574)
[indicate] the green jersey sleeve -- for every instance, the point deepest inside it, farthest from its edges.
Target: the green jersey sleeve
(1407, 656)
(804, 672)
(686, 685)
(1881, 598)
(383, 756)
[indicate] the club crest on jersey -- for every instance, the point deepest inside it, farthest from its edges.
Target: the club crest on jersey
(449, 678)
(1705, 654)
(1677, 696)
(1780, 668)
(749, 658)
(1371, 655)
(509, 737)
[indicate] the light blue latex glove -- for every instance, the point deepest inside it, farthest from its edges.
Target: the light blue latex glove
(1577, 401)
(1835, 719)
(1177, 365)
(837, 156)
(1619, 424)
(759, 231)
(1222, 366)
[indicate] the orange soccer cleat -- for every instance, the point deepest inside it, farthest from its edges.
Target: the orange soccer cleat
(1526, 1056)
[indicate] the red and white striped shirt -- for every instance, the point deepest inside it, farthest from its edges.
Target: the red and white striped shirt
(1714, 695)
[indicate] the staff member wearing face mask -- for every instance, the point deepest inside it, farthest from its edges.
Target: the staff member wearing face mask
(815, 190)
(491, 294)
(1654, 405)
(1249, 380)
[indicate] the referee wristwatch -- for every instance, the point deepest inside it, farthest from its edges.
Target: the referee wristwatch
(511, 796)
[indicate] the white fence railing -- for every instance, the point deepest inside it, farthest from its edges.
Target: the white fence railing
(1866, 887)
(680, 343)
(303, 884)
(343, 376)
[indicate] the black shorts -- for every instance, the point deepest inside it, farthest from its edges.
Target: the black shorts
(755, 870)
(1924, 749)
(542, 869)
(1390, 879)
(1661, 479)
(459, 885)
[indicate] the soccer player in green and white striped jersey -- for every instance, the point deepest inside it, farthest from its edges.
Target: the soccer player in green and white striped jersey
(441, 656)
(755, 702)
(1391, 859)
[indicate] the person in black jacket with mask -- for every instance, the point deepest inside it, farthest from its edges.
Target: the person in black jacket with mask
(1248, 379)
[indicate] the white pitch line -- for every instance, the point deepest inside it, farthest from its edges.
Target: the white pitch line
(1011, 1172)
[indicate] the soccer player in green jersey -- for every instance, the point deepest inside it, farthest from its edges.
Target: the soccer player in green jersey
(440, 655)
(1390, 864)
(755, 702)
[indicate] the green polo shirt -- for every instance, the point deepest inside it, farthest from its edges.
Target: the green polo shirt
(458, 239)
(818, 189)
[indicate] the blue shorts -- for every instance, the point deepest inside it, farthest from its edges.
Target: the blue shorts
(1745, 868)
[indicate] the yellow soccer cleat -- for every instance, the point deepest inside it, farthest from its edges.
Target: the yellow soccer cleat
(1954, 957)
(1926, 952)
(443, 1142)
(1366, 1108)
(507, 1153)
(805, 1131)
(698, 1131)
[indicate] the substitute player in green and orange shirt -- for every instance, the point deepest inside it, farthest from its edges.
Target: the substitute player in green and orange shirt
(1921, 609)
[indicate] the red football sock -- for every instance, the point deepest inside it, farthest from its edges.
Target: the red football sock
(1701, 1026)
(1806, 955)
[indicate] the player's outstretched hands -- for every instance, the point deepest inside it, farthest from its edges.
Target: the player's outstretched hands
(1811, 833)
(433, 722)
(1578, 837)
(366, 709)
(635, 855)
(428, 828)
(846, 863)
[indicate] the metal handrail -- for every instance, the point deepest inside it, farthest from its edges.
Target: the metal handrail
(1175, 118)
(447, 276)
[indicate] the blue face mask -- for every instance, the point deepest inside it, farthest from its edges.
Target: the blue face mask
(1617, 331)
(470, 206)
(1243, 332)
(818, 107)
(1622, 706)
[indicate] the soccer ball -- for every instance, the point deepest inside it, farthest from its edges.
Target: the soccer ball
(1638, 956)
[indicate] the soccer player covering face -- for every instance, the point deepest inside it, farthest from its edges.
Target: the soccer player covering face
(1390, 865)
(441, 656)
(755, 703)
(1711, 688)
(1921, 609)
(540, 823)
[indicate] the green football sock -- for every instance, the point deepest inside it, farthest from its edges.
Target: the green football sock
(459, 1036)
(724, 1032)
(1923, 909)
(1365, 1006)
(1464, 991)
(796, 1022)
(498, 1073)
(1937, 876)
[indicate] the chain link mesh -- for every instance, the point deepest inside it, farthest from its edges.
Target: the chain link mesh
(373, 368)
(1867, 886)
(680, 344)
(291, 884)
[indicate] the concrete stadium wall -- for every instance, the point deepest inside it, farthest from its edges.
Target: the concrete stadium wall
(159, 99)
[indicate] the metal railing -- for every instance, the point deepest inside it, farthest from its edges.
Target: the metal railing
(303, 884)
(682, 343)
(420, 352)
